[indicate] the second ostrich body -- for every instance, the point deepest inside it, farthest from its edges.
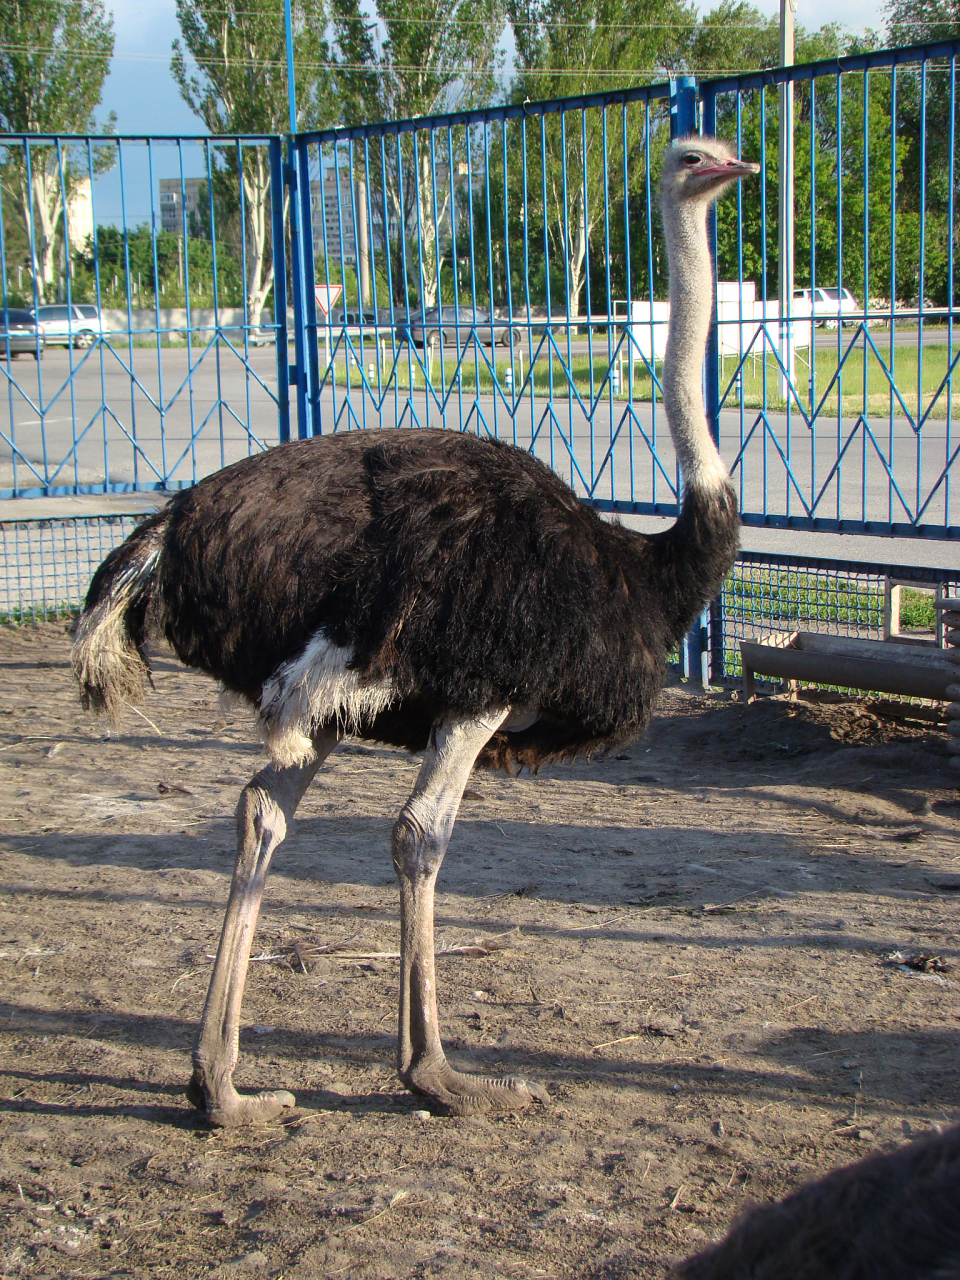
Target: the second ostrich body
(431, 590)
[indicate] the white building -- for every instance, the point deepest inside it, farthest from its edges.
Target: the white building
(80, 216)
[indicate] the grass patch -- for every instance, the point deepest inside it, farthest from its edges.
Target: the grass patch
(917, 610)
(863, 386)
(24, 614)
(785, 599)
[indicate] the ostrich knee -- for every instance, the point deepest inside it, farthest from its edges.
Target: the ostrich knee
(417, 851)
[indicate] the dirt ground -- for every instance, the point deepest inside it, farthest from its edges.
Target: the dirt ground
(697, 936)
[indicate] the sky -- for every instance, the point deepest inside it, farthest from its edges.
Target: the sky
(142, 93)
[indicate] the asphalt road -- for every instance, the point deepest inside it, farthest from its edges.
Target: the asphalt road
(219, 410)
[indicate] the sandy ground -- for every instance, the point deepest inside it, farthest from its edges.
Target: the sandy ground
(697, 939)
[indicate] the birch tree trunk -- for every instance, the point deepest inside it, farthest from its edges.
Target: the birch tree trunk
(256, 190)
(47, 215)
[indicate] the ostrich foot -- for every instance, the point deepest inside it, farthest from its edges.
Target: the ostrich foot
(460, 1094)
(227, 1109)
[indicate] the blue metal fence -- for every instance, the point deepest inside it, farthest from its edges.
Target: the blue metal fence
(147, 267)
(501, 271)
(852, 425)
(537, 224)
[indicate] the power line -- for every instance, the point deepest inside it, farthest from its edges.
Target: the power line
(386, 67)
(768, 25)
(462, 73)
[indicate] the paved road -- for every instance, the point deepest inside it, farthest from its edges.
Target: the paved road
(220, 410)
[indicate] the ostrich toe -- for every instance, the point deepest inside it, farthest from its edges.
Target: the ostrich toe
(460, 1094)
(231, 1110)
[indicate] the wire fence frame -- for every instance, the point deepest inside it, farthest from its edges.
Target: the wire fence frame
(139, 418)
(885, 427)
(535, 226)
(501, 273)
(829, 451)
(46, 566)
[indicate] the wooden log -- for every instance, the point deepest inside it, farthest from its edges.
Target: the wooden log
(857, 664)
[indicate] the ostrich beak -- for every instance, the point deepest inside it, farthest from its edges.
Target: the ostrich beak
(729, 169)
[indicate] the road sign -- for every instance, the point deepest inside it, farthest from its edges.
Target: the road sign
(328, 295)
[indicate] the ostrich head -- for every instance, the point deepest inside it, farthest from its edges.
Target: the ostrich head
(697, 169)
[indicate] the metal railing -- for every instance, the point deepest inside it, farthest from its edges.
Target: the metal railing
(147, 267)
(851, 423)
(536, 226)
(501, 272)
(46, 565)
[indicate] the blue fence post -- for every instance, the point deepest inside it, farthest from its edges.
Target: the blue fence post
(311, 335)
(683, 106)
(683, 121)
(299, 371)
(279, 289)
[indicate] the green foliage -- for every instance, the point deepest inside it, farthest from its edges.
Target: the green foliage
(239, 50)
(240, 87)
(792, 598)
(415, 59)
(410, 58)
(54, 59)
(564, 48)
(120, 256)
(830, 154)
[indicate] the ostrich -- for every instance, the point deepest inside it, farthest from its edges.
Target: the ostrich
(890, 1217)
(429, 590)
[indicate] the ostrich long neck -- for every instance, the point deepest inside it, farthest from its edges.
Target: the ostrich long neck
(691, 304)
(691, 559)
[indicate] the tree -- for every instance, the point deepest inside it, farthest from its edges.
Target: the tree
(924, 148)
(574, 47)
(416, 58)
(240, 87)
(140, 247)
(829, 155)
(53, 62)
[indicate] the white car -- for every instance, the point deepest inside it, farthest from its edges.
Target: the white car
(80, 324)
(827, 306)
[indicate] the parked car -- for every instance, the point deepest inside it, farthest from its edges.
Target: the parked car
(351, 319)
(19, 334)
(827, 306)
(442, 324)
(79, 324)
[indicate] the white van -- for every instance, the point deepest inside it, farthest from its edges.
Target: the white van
(829, 307)
(79, 324)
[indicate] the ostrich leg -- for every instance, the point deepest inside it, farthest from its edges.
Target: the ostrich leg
(420, 838)
(267, 804)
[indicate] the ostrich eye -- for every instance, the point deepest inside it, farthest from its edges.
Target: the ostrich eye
(692, 158)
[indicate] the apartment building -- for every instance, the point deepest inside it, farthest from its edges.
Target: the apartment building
(177, 203)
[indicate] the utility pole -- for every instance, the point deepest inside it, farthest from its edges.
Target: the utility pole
(363, 242)
(788, 10)
(291, 80)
